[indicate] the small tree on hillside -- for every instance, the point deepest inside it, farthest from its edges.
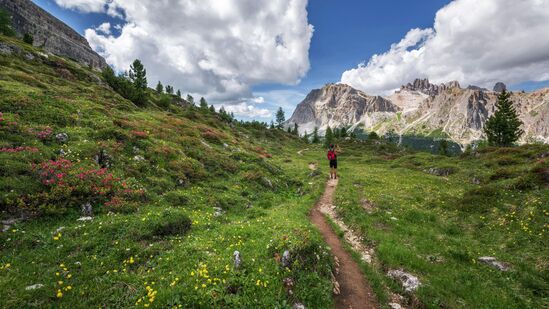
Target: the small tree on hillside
(272, 126)
(203, 104)
(212, 109)
(443, 148)
(280, 118)
(503, 127)
(138, 77)
(316, 138)
(329, 137)
(190, 99)
(169, 89)
(28, 38)
(5, 24)
(296, 129)
(305, 137)
(159, 88)
(179, 93)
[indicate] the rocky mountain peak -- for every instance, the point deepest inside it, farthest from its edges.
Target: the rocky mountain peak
(424, 86)
(499, 87)
(50, 33)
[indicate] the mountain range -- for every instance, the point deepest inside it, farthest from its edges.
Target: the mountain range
(421, 108)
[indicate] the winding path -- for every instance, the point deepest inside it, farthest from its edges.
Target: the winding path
(354, 290)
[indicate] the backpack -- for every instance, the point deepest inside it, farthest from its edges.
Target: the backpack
(331, 155)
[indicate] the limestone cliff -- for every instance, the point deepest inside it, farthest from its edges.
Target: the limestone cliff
(50, 33)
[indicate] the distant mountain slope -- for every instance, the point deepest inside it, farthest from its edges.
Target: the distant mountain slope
(420, 108)
(50, 33)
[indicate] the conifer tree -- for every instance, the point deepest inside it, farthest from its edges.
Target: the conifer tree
(159, 88)
(296, 129)
(316, 138)
(179, 93)
(138, 77)
(190, 99)
(212, 109)
(280, 118)
(329, 137)
(503, 127)
(5, 24)
(203, 104)
(169, 89)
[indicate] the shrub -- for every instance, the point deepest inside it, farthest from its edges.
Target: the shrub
(28, 38)
(171, 224)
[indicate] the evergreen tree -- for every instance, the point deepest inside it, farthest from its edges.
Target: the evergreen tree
(159, 88)
(329, 137)
(203, 104)
(316, 138)
(280, 118)
(343, 132)
(373, 136)
(179, 93)
(169, 89)
(306, 137)
(289, 130)
(138, 77)
(443, 148)
(212, 109)
(28, 38)
(272, 125)
(190, 99)
(503, 127)
(296, 131)
(5, 24)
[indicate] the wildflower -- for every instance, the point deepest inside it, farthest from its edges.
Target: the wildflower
(59, 294)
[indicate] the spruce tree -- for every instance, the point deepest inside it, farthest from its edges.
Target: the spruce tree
(329, 137)
(443, 148)
(203, 104)
(28, 38)
(503, 127)
(280, 118)
(190, 99)
(138, 77)
(169, 89)
(212, 109)
(316, 138)
(179, 93)
(159, 88)
(296, 129)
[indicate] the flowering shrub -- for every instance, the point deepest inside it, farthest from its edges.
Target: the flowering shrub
(44, 134)
(19, 149)
(140, 134)
(68, 185)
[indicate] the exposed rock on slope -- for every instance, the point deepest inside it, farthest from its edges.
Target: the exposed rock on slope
(421, 108)
(50, 33)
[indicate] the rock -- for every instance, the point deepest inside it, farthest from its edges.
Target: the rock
(288, 284)
(218, 212)
(7, 224)
(34, 287)
(225, 145)
(51, 34)
(29, 56)
(103, 159)
(440, 171)
(394, 218)
(62, 152)
(59, 229)
(237, 260)
(139, 158)
(395, 306)
(475, 181)
(85, 219)
(87, 210)
(492, 261)
(267, 182)
(298, 306)
(62, 137)
(408, 281)
(314, 173)
(499, 87)
(286, 259)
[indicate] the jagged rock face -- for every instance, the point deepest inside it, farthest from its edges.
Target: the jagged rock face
(50, 33)
(337, 104)
(422, 108)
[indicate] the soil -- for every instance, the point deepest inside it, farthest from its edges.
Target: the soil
(354, 291)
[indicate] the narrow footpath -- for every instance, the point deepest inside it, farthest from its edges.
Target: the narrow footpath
(354, 290)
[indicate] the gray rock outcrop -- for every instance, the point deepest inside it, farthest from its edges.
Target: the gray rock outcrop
(499, 87)
(50, 33)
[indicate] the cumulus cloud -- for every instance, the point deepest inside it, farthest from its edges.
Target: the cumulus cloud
(104, 28)
(473, 42)
(246, 110)
(211, 48)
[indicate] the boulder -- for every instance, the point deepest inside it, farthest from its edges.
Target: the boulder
(443, 172)
(286, 259)
(237, 259)
(408, 281)
(493, 262)
(62, 137)
(87, 210)
(34, 287)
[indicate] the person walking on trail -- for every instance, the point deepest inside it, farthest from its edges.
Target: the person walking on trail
(332, 157)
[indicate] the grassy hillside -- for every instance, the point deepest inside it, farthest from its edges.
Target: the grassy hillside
(494, 202)
(174, 190)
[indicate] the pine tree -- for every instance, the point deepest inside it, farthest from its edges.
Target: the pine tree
(443, 148)
(280, 118)
(272, 125)
(212, 109)
(138, 77)
(179, 93)
(203, 104)
(316, 138)
(5, 24)
(169, 89)
(28, 38)
(289, 130)
(306, 137)
(296, 131)
(329, 137)
(159, 88)
(190, 99)
(503, 127)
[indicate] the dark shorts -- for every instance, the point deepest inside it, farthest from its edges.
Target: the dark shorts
(333, 163)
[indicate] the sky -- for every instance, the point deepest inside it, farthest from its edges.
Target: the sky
(253, 56)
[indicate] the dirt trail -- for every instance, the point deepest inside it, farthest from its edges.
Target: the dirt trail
(355, 292)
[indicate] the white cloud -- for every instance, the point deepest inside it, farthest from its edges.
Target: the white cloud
(104, 28)
(246, 110)
(258, 100)
(211, 48)
(473, 42)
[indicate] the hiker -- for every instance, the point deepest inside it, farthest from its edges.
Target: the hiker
(332, 156)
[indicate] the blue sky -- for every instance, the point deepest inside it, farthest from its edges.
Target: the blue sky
(346, 33)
